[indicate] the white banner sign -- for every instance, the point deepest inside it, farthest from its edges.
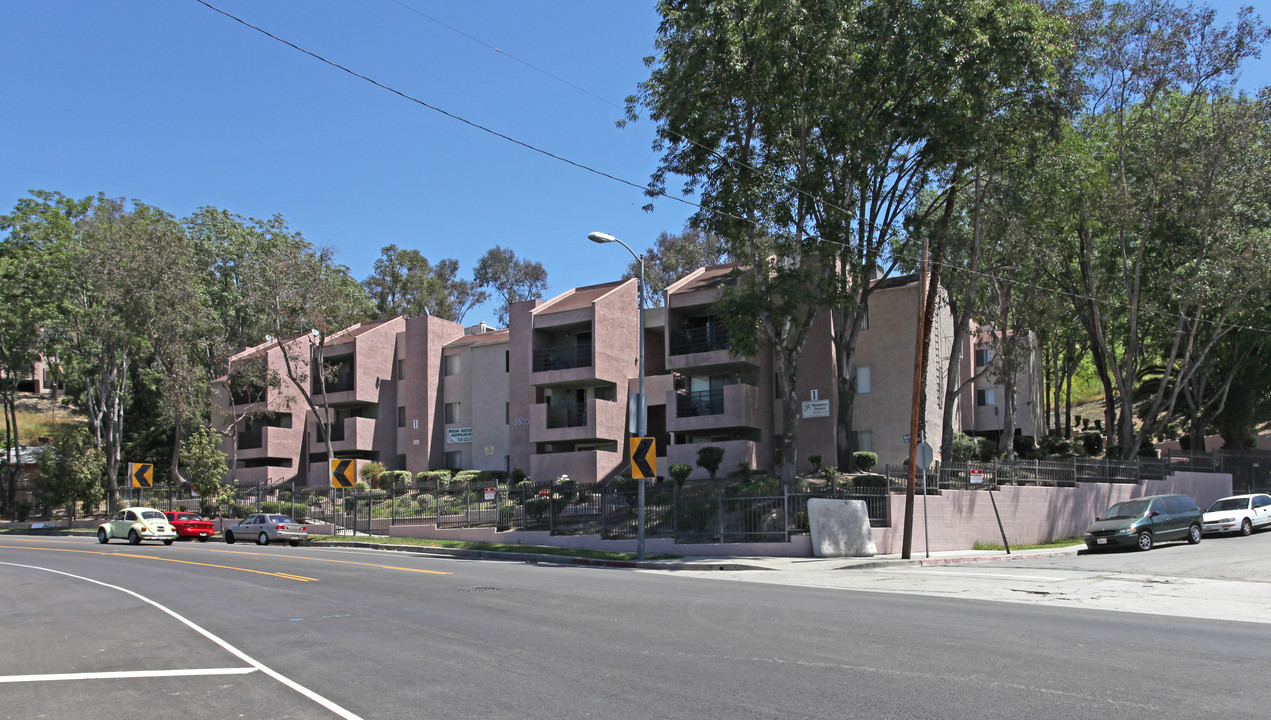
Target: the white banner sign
(459, 435)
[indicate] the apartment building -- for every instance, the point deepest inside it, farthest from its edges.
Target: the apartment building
(553, 393)
(982, 407)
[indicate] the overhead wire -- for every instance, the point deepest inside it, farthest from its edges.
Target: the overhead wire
(643, 188)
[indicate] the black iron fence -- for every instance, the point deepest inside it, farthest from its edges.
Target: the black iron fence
(1059, 472)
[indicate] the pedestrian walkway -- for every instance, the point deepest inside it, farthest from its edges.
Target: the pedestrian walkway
(952, 557)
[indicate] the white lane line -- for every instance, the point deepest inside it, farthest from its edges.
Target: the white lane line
(329, 705)
(126, 674)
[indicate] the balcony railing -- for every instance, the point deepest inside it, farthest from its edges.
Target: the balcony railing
(572, 415)
(700, 402)
(698, 340)
(563, 357)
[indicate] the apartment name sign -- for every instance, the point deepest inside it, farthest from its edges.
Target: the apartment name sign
(459, 435)
(816, 408)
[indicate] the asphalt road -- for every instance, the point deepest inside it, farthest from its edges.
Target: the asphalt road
(213, 631)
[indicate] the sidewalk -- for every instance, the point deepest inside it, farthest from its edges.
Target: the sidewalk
(917, 559)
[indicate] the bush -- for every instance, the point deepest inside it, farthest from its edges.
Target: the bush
(566, 488)
(680, 472)
(371, 472)
(538, 505)
(965, 447)
(438, 478)
(865, 460)
(709, 458)
(386, 480)
(816, 462)
(517, 476)
(1092, 443)
(1055, 445)
(876, 482)
(1024, 444)
(464, 477)
(1112, 452)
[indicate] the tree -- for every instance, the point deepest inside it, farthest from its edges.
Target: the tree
(204, 461)
(810, 130)
(511, 278)
(709, 458)
(70, 471)
(405, 283)
(1164, 252)
(674, 256)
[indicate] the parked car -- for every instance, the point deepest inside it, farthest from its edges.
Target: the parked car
(191, 525)
(1239, 513)
(1145, 521)
(266, 528)
(137, 524)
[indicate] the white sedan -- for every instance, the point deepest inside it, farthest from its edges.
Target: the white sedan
(1239, 513)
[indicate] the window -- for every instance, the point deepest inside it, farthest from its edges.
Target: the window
(985, 397)
(507, 361)
(401, 417)
(452, 364)
(983, 356)
(863, 440)
(401, 369)
(863, 383)
(454, 459)
(452, 413)
(507, 413)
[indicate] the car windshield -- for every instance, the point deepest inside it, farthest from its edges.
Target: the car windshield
(283, 519)
(1230, 504)
(189, 516)
(152, 515)
(1127, 509)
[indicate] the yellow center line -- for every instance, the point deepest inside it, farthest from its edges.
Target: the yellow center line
(329, 560)
(285, 576)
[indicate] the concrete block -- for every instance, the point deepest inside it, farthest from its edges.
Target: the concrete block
(840, 528)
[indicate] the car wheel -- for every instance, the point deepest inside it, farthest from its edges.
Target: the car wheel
(167, 542)
(229, 538)
(133, 537)
(294, 543)
(1193, 534)
(1246, 528)
(1145, 540)
(102, 537)
(262, 539)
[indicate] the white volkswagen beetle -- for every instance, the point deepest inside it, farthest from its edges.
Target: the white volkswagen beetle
(137, 524)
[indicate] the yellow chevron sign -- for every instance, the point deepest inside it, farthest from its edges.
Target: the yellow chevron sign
(342, 474)
(142, 474)
(644, 458)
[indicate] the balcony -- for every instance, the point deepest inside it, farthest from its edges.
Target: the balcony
(581, 465)
(592, 420)
(267, 441)
(698, 340)
(731, 406)
(563, 357)
(355, 433)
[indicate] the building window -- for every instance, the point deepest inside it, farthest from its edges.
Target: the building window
(507, 413)
(982, 357)
(401, 417)
(452, 413)
(452, 364)
(507, 361)
(401, 369)
(863, 381)
(863, 440)
(454, 459)
(985, 397)
(401, 462)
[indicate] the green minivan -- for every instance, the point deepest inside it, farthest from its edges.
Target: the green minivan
(1145, 521)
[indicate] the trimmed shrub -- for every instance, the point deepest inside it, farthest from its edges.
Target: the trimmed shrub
(386, 480)
(1092, 443)
(965, 447)
(517, 475)
(1024, 444)
(566, 488)
(816, 462)
(1055, 445)
(440, 478)
(464, 477)
(865, 460)
(709, 458)
(680, 472)
(371, 472)
(1112, 452)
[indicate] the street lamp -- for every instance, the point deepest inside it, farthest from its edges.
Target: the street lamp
(641, 407)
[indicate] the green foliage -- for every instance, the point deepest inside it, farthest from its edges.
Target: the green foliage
(1092, 443)
(566, 488)
(1056, 445)
(511, 278)
(204, 461)
(965, 447)
(438, 478)
(1024, 445)
(816, 462)
(679, 472)
(865, 460)
(70, 470)
(361, 487)
(538, 505)
(405, 283)
(370, 472)
(709, 458)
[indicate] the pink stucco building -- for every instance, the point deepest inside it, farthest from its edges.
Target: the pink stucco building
(552, 394)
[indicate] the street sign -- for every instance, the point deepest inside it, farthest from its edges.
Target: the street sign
(925, 454)
(142, 474)
(342, 474)
(644, 458)
(977, 477)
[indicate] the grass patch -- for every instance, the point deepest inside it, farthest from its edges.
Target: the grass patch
(495, 547)
(1063, 543)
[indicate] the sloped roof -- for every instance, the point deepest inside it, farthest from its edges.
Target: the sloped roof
(580, 298)
(497, 336)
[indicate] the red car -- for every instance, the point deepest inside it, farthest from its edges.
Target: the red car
(191, 525)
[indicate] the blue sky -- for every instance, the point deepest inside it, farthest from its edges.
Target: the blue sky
(173, 104)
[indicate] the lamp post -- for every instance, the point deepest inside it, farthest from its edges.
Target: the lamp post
(641, 406)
